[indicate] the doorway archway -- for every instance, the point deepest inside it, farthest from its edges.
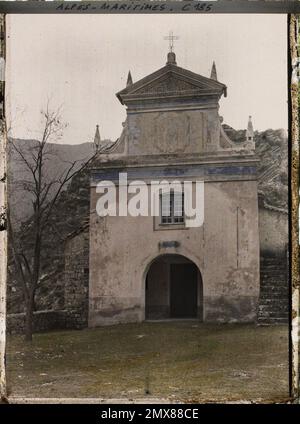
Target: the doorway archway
(173, 289)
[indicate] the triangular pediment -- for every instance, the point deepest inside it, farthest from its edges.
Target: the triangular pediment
(171, 80)
(167, 84)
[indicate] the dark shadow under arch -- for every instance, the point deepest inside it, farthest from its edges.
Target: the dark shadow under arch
(173, 289)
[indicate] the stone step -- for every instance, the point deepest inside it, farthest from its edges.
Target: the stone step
(273, 296)
(274, 291)
(264, 293)
(273, 261)
(275, 301)
(275, 271)
(270, 314)
(277, 277)
(271, 290)
(273, 283)
(270, 321)
(272, 268)
(274, 276)
(274, 308)
(275, 304)
(273, 315)
(269, 286)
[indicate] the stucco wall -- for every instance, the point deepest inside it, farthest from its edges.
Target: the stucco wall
(273, 229)
(159, 132)
(225, 249)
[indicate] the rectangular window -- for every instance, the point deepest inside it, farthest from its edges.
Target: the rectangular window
(172, 207)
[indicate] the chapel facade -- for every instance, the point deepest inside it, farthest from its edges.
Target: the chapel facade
(158, 267)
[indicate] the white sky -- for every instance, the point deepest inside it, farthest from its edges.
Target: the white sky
(79, 62)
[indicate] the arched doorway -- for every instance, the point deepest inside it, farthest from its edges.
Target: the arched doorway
(173, 289)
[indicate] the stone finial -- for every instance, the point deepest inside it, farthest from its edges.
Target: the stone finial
(250, 125)
(97, 138)
(213, 73)
(250, 135)
(250, 132)
(129, 79)
(171, 59)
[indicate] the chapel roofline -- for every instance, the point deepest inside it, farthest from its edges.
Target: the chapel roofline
(203, 85)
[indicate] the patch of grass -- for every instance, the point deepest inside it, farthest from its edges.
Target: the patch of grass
(177, 360)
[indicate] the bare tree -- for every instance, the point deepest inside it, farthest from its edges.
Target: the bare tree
(44, 192)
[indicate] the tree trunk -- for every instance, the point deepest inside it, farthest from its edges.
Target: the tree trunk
(29, 319)
(30, 302)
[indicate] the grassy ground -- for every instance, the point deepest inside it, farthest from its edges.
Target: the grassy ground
(176, 360)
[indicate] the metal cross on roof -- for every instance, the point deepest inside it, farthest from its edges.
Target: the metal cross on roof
(171, 39)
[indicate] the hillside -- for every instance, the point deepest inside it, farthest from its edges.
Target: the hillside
(58, 161)
(271, 147)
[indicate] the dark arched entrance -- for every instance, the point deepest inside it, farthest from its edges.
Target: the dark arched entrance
(173, 289)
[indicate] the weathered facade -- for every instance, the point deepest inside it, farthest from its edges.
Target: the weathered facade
(143, 268)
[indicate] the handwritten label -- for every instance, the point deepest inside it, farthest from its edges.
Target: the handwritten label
(135, 7)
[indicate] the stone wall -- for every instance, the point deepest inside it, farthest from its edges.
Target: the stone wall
(46, 321)
(43, 321)
(77, 277)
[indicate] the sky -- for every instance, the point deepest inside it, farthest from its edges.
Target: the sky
(79, 62)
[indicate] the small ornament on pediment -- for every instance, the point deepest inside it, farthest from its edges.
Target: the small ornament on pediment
(170, 84)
